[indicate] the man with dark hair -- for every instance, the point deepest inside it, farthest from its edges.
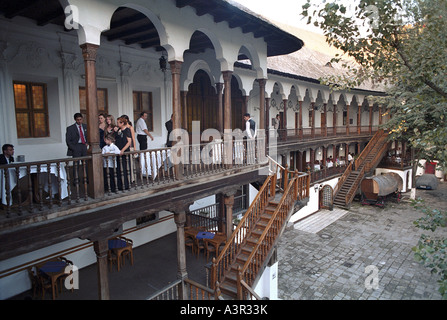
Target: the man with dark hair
(7, 154)
(76, 140)
(76, 137)
(142, 131)
(250, 126)
(169, 126)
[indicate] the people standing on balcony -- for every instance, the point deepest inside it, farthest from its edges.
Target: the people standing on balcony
(169, 126)
(76, 137)
(142, 131)
(102, 128)
(123, 140)
(250, 126)
(110, 124)
(132, 131)
(7, 154)
(76, 140)
(276, 123)
(110, 162)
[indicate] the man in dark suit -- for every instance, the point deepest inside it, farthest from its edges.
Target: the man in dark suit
(7, 154)
(76, 140)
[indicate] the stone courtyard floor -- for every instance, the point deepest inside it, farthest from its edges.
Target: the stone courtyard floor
(365, 247)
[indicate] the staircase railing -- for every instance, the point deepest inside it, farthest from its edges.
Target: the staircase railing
(374, 140)
(229, 253)
(264, 245)
(351, 193)
(377, 138)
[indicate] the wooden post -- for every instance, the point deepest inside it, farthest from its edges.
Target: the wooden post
(334, 120)
(220, 116)
(227, 128)
(229, 202)
(96, 179)
(101, 248)
(347, 119)
(180, 220)
(176, 67)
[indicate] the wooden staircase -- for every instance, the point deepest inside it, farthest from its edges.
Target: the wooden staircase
(230, 281)
(240, 264)
(370, 157)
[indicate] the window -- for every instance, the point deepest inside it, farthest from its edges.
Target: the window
(142, 101)
(31, 106)
(103, 106)
(310, 118)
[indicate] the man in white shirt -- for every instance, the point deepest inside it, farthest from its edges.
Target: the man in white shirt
(142, 131)
(250, 126)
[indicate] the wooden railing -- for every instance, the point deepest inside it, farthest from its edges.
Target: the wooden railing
(41, 185)
(342, 179)
(299, 134)
(186, 289)
(268, 238)
(229, 253)
(353, 188)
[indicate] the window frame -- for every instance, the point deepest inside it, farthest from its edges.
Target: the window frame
(30, 109)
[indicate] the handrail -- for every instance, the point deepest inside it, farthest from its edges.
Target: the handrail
(342, 179)
(351, 192)
(262, 247)
(374, 140)
(248, 221)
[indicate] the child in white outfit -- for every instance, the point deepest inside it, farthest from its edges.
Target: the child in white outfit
(110, 162)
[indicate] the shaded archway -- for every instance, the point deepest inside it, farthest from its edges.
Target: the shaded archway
(202, 103)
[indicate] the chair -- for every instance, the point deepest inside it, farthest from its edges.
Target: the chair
(112, 259)
(198, 245)
(127, 251)
(62, 278)
(45, 285)
(35, 284)
(189, 242)
(209, 249)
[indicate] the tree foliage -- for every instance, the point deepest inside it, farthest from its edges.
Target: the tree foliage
(403, 45)
(431, 249)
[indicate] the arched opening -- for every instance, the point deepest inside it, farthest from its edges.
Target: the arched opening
(202, 102)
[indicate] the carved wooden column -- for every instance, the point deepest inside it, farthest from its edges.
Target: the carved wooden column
(313, 120)
(180, 221)
(325, 120)
(229, 202)
(220, 117)
(176, 67)
(334, 120)
(284, 101)
(347, 119)
(96, 180)
(370, 118)
(261, 103)
(300, 119)
(184, 107)
(101, 248)
(312, 159)
(267, 121)
(227, 127)
(299, 161)
(359, 119)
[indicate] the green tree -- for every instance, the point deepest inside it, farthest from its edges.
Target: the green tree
(403, 45)
(431, 249)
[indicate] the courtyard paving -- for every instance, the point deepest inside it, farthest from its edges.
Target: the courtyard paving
(363, 255)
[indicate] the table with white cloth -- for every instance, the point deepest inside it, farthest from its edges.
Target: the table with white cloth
(159, 158)
(43, 179)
